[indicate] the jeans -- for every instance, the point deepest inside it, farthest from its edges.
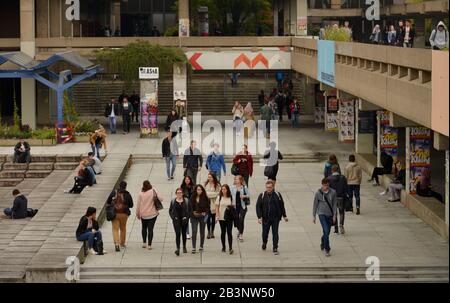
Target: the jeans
(78, 186)
(171, 159)
(326, 222)
(211, 223)
(217, 174)
(192, 172)
(120, 224)
(226, 227)
(180, 232)
(242, 212)
(274, 223)
(195, 222)
(341, 210)
(96, 149)
(294, 120)
(113, 124)
(20, 157)
(126, 123)
(377, 171)
(354, 189)
(267, 127)
(8, 212)
(90, 237)
(394, 190)
(147, 230)
(238, 124)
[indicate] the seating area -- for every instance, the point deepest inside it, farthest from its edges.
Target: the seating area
(429, 209)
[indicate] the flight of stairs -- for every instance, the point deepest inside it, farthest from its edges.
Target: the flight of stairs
(40, 166)
(202, 274)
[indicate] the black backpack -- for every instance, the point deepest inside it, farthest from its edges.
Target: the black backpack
(98, 247)
(31, 212)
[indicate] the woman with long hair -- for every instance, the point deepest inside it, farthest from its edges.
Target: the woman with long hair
(332, 160)
(199, 209)
(179, 213)
(241, 197)
(244, 161)
(187, 186)
(146, 212)
(223, 202)
(212, 188)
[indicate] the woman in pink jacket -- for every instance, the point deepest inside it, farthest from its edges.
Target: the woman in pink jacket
(147, 212)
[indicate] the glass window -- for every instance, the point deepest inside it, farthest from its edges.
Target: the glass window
(158, 5)
(158, 21)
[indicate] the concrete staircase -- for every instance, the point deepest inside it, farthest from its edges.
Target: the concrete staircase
(40, 166)
(202, 274)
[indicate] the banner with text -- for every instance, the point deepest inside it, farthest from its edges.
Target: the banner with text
(419, 153)
(325, 62)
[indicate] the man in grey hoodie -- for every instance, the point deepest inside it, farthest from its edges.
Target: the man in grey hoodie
(439, 37)
(325, 206)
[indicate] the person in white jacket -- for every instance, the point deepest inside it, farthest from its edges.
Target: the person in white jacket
(439, 37)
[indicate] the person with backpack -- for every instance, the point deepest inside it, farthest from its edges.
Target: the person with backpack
(295, 113)
(212, 188)
(272, 155)
(215, 162)
(338, 182)
(243, 162)
(225, 217)
(199, 209)
(122, 202)
(192, 161)
(353, 173)
(88, 230)
(179, 213)
(19, 207)
(270, 210)
(241, 197)
(147, 212)
(325, 206)
(170, 154)
(439, 37)
(332, 160)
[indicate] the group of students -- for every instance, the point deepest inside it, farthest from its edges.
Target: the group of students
(127, 107)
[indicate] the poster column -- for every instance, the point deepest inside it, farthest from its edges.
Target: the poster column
(346, 118)
(180, 92)
(149, 100)
(419, 154)
(183, 18)
(331, 113)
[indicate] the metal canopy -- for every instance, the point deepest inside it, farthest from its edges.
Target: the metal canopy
(30, 68)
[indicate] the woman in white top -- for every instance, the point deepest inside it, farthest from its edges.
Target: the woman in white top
(238, 113)
(223, 202)
(241, 197)
(212, 188)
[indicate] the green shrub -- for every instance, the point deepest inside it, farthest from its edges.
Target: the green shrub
(44, 133)
(86, 127)
(336, 34)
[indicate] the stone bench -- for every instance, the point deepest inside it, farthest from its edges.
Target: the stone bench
(48, 264)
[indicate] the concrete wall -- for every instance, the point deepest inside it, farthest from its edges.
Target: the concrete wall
(439, 95)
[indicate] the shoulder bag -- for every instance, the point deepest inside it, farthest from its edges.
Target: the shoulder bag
(158, 204)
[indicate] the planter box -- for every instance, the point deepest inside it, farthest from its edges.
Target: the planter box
(81, 139)
(32, 142)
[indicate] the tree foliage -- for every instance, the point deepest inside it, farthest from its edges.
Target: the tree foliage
(336, 34)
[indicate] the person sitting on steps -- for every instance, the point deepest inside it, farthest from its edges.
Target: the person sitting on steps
(88, 230)
(19, 208)
(22, 152)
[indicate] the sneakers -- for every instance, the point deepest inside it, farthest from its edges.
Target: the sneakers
(149, 247)
(177, 252)
(92, 252)
(275, 251)
(117, 248)
(208, 236)
(321, 247)
(194, 251)
(171, 178)
(383, 193)
(188, 236)
(342, 229)
(241, 238)
(357, 211)
(327, 253)
(264, 246)
(144, 245)
(223, 249)
(336, 230)
(201, 249)
(212, 236)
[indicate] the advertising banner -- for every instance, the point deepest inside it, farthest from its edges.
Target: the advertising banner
(149, 108)
(183, 28)
(319, 114)
(420, 153)
(332, 122)
(346, 120)
(325, 62)
(389, 140)
(302, 26)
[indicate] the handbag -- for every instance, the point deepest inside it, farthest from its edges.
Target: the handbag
(111, 211)
(98, 246)
(235, 169)
(231, 214)
(268, 171)
(158, 203)
(246, 200)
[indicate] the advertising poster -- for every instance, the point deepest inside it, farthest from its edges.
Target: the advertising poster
(302, 24)
(420, 153)
(319, 114)
(366, 122)
(183, 28)
(384, 117)
(332, 104)
(332, 122)
(149, 108)
(389, 140)
(346, 120)
(325, 62)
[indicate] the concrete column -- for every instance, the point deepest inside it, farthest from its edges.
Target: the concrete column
(446, 185)
(335, 4)
(286, 17)
(55, 18)
(301, 21)
(28, 46)
(407, 160)
(115, 14)
(363, 142)
(42, 19)
(183, 18)
(275, 18)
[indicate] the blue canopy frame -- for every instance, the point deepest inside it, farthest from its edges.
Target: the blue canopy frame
(29, 68)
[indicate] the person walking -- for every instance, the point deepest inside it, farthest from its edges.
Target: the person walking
(238, 114)
(281, 102)
(244, 161)
(224, 209)
(19, 206)
(192, 161)
(241, 197)
(295, 113)
(127, 111)
(400, 33)
(172, 117)
(376, 35)
(212, 188)
(439, 37)
(187, 186)
(392, 36)
(339, 183)
(170, 154)
(179, 213)
(89, 230)
(97, 141)
(272, 155)
(325, 206)
(111, 112)
(353, 173)
(146, 212)
(332, 160)
(199, 209)
(270, 210)
(410, 34)
(136, 104)
(215, 162)
(387, 163)
(122, 201)
(266, 116)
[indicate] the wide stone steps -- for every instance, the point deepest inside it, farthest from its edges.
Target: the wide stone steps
(261, 274)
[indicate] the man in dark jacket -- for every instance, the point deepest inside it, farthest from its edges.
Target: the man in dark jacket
(170, 154)
(111, 112)
(192, 161)
(386, 161)
(127, 111)
(338, 182)
(88, 230)
(22, 152)
(270, 210)
(19, 209)
(135, 102)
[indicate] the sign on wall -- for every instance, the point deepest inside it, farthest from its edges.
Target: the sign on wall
(419, 153)
(302, 25)
(389, 140)
(183, 27)
(331, 115)
(346, 120)
(148, 73)
(267, 59)
(325, 62)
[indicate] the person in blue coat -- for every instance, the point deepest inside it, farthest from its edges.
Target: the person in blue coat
(215, 162)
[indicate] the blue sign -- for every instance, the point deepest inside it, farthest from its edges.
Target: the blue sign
(325, 62)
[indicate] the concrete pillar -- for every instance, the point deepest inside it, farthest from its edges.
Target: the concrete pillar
(28, 46)
(301, 22)
(363, 142)
(55, 18)
(275, 18)
(335, 4)
(440, 142)
(115, 16)
(286, 17)
(42, 19)
(183, 18)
